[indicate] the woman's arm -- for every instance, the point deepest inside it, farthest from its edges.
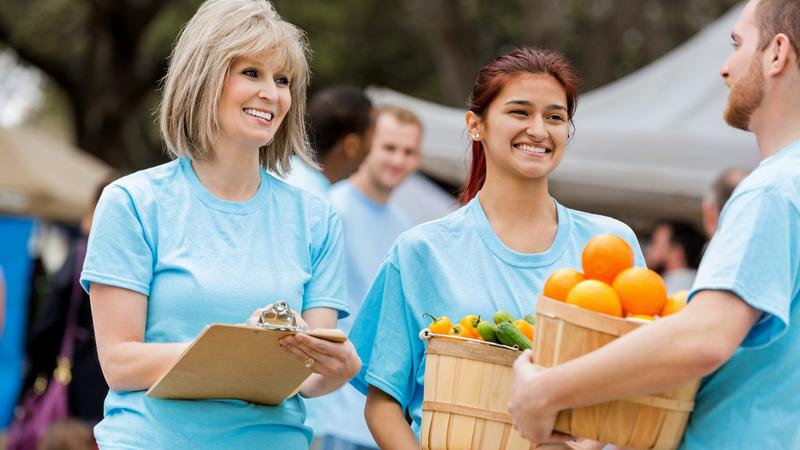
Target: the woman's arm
(387, 423)
(333, 363)
(128, 363)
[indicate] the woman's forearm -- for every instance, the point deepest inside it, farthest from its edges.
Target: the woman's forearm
(135, 366)
(120, 319)
(318, 384)
(387, 423)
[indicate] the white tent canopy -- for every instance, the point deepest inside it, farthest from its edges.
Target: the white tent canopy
(646, 147)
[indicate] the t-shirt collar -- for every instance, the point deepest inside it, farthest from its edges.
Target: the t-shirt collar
(514, 258)
(207, 198)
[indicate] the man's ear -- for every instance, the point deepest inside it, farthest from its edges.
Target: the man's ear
(351, 144)
(780, 55)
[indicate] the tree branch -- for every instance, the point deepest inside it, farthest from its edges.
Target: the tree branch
(58, 72)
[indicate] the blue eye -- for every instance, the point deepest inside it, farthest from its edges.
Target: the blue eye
(251, 73)
(282, 80)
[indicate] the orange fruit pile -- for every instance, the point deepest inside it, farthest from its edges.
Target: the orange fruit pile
(610, 284)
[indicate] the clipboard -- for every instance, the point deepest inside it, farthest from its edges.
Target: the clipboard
(243, 362)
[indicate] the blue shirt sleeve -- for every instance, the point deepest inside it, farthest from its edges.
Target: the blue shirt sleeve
(638, 256)
(327, 286)
(382, 335)
(754, 255)
(119, 252)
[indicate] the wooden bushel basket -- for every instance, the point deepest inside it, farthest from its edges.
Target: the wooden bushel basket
(565, 332)
(467, 388)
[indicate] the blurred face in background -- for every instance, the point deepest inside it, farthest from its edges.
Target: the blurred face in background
(743, 71)
(254, 101)
(657, 250)
(525, 128)
(395, 152)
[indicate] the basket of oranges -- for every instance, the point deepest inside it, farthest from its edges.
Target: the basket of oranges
(580, 312)
(468, 379)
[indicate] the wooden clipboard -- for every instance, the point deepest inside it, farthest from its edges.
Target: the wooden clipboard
(237, 362)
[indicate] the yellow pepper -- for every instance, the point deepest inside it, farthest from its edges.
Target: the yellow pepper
(470, 324)
(440, 325)
(525, 328)
(459, 330)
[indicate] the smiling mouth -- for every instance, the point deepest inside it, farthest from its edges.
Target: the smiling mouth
(532, 149)
(259, 114)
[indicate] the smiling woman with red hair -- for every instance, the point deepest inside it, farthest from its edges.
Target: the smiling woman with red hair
(494, 253)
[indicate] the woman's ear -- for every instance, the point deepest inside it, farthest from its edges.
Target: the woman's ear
(473, 126)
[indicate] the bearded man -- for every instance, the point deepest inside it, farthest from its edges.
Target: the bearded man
(742, 325)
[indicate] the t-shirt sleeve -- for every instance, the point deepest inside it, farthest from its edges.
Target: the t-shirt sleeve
(119, 252)
(327, 287)
(383, 337)
(633, 241)
(754, 255)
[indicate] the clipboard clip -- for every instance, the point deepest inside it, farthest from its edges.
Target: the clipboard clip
(279, 316)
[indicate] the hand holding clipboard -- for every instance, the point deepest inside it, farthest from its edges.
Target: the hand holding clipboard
(242, 362)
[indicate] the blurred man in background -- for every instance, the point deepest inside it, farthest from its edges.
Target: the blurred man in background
(339, 119)
(370, 227)
(674, 252)
(719, 193)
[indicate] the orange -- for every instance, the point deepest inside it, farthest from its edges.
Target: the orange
(640, 317)
(675, 303)
(606, 255)
(641, 291)
(596, 296)
(560, 282)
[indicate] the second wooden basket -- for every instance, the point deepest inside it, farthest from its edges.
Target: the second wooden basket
(467, 388)
(565, 332)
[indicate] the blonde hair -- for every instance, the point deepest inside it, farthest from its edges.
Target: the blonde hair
(220, 32)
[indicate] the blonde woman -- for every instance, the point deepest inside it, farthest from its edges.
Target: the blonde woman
(211, 236)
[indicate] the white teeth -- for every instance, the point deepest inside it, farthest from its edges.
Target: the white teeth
(531, 148)
(261, 114)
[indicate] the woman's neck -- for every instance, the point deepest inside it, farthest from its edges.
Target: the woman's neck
(232, 174)
(521, 212)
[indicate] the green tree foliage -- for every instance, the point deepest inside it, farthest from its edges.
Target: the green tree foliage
(107, 56)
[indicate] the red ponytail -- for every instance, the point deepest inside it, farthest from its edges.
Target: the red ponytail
(477, 174)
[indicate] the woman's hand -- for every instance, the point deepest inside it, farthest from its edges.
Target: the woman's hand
(332, 364)
(338, 361)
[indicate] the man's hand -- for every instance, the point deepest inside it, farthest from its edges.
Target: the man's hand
(530, 414)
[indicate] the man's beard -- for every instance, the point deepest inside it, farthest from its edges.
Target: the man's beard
(745, 97)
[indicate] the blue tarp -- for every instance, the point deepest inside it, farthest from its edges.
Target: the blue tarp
(16, 262)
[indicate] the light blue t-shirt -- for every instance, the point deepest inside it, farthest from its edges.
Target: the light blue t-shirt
(753, 401)
(308, 178)
(370, 229)
(203, 260)
(456, 266)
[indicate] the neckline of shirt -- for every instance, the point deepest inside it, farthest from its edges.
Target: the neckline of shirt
(512, 257)
(248, 206)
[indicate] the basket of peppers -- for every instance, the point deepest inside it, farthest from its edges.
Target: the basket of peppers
(468, 378)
